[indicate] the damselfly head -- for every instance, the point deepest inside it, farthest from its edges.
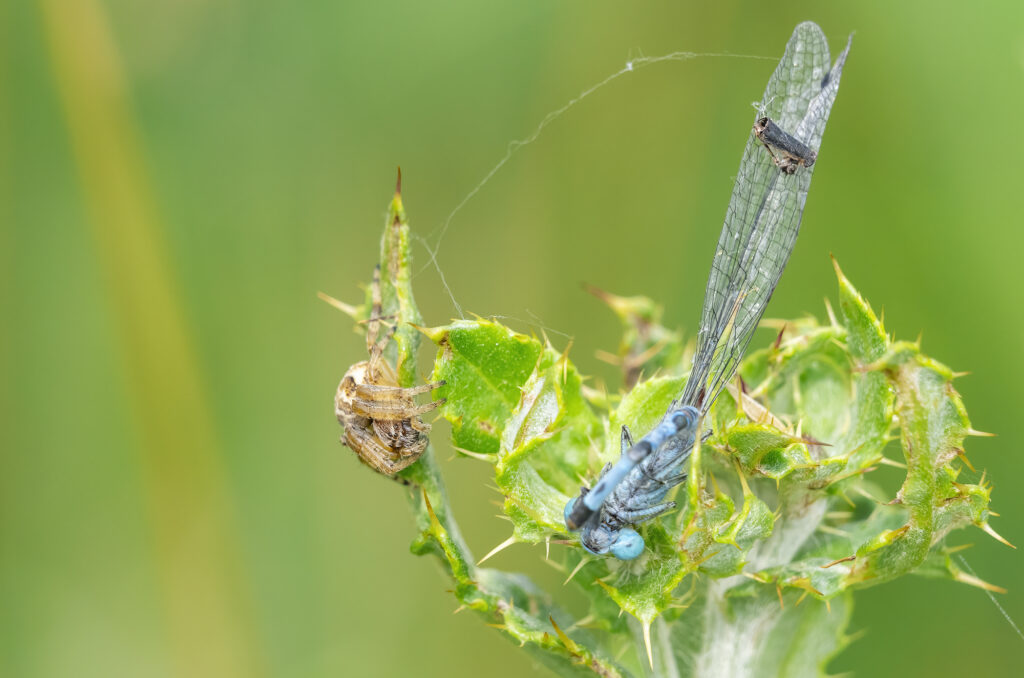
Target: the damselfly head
(624, 543)
(627, 545)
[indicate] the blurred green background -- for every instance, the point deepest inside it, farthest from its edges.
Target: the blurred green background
(178, 179)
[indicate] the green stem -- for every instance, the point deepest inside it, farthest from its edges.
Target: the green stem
(510, 602)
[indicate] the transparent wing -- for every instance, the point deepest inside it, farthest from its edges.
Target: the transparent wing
(763, 218)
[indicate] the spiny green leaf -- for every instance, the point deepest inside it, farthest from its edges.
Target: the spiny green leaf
(866, 336)
(644, 587)
(510, 394)
(485, 365)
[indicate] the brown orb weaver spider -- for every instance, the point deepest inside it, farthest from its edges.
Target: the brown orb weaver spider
(381, 420)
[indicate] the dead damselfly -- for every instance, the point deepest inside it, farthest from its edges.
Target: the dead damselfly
(760, 230)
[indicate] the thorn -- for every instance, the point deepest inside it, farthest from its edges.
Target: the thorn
(965, 578)
(831, 314)
(965, 460)
(896, 464)
(957, 375)
(743, 480)
(861, 491)
(853, 638)
(547, 341)
(547, 547)
(647, 642)
(828, 606)
(836, 562)
(497, 549)
(953, 549)
(993, 513)
(558, 567)
(827, 529)
(778, 589)
(348, 310)
(565, 361)
(606, 297)
(995, 535)
(714, 481)
(480, 456)
(459, 609)
(980, 434)
(801, 598)
(398, 182)
(654, 350)
(772, 323)
(579, 566)
(778, 339)
(566, 640)
(835, 265)
(580, 623)
(430, 509)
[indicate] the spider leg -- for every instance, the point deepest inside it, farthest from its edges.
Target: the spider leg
(372, 453)
(402, 437)
(429, 407)
(391, 410)
(383, 319)
(377, 349)
(368, 391)
(418, 424)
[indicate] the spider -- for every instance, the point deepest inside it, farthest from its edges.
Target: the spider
(381, 420)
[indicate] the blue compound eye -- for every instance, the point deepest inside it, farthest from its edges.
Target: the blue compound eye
(569, 507)
(628, 545)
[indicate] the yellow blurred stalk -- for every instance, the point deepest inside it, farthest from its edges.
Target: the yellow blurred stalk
(208, 609)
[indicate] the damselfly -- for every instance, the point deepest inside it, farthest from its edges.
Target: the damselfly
(761, 226)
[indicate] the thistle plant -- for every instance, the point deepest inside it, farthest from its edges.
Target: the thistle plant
(779, 521)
